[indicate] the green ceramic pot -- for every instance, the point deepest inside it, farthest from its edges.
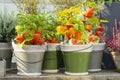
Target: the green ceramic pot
(76, 58)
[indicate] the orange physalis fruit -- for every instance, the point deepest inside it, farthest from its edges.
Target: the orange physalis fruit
(52, 41)
(32, 42)
(37, 36)
(70, 33)
(78, 35)
(100, 28)
(69, 26)
(98, 33)
(20, 39)
(89, 27)
(89, 13)
(93, 38)
(76, 42)
(40, 41)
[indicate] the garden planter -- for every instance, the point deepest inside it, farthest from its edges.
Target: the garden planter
(6, 53)
(29, 60)
(50, 62)
(116, 59)
(96, 57)
(76, 58)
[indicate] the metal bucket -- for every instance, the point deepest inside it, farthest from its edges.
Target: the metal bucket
(76, 58)
(29, 60)
(96, 57)
(50, 62)
(6, 53)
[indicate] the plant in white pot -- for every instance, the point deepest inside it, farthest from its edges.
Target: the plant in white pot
(80, 26)
(7, 33)
(29, 46)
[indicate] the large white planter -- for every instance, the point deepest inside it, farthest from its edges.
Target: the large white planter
(96, 57)
(29, 60)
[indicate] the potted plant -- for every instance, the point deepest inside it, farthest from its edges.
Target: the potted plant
(80, 26)
(7, 33)
(29, 46)
(112, 43)
(51, 61)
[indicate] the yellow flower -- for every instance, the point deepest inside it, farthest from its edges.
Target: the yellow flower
(61, 30)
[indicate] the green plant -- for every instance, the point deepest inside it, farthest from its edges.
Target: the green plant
(30, 29)
(7, 25)
(49, 30)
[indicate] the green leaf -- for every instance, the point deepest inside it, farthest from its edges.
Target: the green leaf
(29, 38)
(76, 26)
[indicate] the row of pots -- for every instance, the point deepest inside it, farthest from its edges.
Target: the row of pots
(75, 59)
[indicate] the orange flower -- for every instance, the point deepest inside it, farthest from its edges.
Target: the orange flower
(98, 33)
(25, 34)
(101, 28)
(89, 13)
(76, 42)
(89, 27)
(69, 26)
(37, 36)
(61, 30)
(52, 41)
(70, 33)
(93, 38)
(78, 35)
(32, 42)
(20, 39)
(40, 41)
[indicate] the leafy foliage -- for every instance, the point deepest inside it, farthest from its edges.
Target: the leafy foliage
(28, 25)
(82, 22)
(7, 25)
(49, 30)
